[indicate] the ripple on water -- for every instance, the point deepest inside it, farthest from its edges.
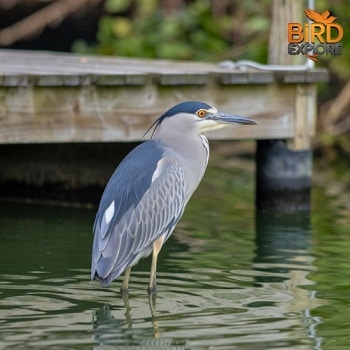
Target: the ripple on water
(225, 293)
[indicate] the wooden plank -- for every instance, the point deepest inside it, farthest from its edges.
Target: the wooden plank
(273, 108)
(54, 97)
(55, 69)
(305, 116)
(283, 12)
(305, 94)
(111, 113)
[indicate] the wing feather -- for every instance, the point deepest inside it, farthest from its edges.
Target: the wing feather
(151, 213)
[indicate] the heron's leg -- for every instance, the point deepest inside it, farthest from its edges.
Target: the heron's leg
(157, 246)
(125, 288)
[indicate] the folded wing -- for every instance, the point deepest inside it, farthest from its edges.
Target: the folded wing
(145, 200)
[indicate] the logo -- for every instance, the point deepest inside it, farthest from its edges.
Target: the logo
(321, 36)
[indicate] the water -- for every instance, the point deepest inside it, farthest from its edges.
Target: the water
(228, 279)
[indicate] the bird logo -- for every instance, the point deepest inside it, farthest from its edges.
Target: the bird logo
(323, 17)
(321, 35)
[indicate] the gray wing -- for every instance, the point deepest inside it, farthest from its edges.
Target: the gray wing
(123, 235)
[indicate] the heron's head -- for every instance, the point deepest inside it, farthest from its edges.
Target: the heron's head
(198, 116)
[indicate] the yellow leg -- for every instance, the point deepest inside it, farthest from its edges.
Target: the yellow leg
(125, 288)
(157, 246)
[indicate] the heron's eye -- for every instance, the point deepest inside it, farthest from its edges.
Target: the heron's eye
(201, 113)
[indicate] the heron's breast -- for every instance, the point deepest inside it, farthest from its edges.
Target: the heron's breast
(195, 162)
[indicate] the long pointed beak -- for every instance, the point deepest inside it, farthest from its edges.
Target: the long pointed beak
(225, 118)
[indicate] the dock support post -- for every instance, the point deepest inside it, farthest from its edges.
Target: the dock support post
(283, 179)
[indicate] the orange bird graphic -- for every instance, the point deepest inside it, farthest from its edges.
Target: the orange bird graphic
(323, 17)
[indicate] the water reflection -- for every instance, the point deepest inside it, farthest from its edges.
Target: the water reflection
(284, 260)
(109, 330)
(260, 300)
(226, 281)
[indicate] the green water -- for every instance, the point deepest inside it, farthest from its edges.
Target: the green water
(228, 279)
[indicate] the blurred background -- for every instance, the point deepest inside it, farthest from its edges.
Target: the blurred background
(228, 276)
(204, 30)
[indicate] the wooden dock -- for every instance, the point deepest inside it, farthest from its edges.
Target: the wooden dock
(55, 97)
(73, 104)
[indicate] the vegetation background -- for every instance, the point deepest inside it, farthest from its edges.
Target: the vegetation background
(208, 30)
(204, 30)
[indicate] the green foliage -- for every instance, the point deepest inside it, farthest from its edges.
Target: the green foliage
(336, 147)
(195, 30)
(117, 5)
(210, 30)
(339, 65)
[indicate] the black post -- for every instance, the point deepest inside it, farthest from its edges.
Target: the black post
(283, 179)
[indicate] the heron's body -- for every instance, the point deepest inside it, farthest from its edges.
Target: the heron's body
(147, 194)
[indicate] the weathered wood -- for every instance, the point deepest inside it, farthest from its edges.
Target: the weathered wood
(36, 65)
(64, 98)
(55, 97)
(283, 12)
(91, 114)
(305, 116)
(305, 94)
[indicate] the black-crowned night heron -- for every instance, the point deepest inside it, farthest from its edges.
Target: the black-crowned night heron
(147, 194)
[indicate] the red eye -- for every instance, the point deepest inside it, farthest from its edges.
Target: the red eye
(201, 113)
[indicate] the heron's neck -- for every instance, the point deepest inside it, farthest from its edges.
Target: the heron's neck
(191, 150)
